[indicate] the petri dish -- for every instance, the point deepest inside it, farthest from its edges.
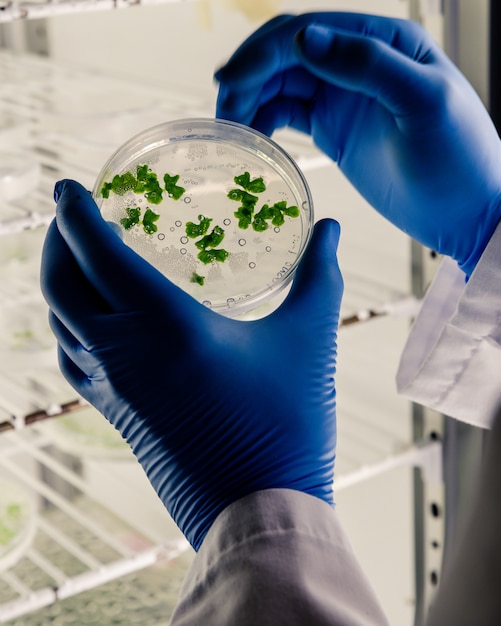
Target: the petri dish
(19, 175)
(87, 434)
(18, 521)
(220, 209)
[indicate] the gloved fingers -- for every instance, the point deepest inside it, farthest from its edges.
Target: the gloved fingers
(271, 50)
(65, 288)
(296, 83)
(251, 65)
(282, 112)
(74, 375)
(122, 278)
(317, 289)
(79, 355)
(235, 105)
(254, 73)
(365, 65)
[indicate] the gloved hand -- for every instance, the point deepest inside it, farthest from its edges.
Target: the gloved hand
(214, 408)
(381, 99)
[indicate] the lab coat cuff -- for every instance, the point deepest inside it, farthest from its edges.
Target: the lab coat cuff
(452, 359)
(277, 557)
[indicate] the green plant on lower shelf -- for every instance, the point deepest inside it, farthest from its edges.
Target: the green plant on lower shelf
(9, 522)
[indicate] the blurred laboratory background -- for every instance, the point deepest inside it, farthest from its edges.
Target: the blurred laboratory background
(83, 537)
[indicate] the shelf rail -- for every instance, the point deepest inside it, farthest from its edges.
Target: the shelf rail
(11, 11)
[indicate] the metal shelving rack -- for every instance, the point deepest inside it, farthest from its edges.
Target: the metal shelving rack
(11, 10)
(79, 544)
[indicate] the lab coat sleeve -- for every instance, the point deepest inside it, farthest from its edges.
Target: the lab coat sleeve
(452, 359)
(277, 557)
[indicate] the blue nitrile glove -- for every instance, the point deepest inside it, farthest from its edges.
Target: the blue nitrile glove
(381, 99)
(214, 408)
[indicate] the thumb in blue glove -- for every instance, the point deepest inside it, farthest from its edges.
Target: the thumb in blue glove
(214, 408)
(382, 100)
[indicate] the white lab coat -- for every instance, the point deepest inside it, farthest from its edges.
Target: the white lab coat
(280, 557)
(452, 359)
(277, 558)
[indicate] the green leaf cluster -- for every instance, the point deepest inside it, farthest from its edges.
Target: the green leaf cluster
(198, 230)
(175, 191)
(246, 212)
(212, 240)
(246, 209)
(208, 244)
(149, 220)
(274, 214)
(145, 181)
(134, 218)
(208, 256)
(246, 197)
(255, 185)
(196, 278)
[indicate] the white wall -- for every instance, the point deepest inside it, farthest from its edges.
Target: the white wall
(180, 41)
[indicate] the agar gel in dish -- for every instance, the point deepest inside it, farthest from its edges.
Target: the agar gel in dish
(232, 227)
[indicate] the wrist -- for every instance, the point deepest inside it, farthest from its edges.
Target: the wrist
(484, 234)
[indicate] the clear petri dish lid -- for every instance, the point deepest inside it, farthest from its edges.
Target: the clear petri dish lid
(96, 107)
(220, 209)
(13, 132)
(87, 434)
(18, 521)
(19, 175)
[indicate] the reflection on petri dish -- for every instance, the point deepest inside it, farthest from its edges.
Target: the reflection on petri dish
(218, 208)
(18, 518)
(13, 132)
(111, 131)
(88, 434)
